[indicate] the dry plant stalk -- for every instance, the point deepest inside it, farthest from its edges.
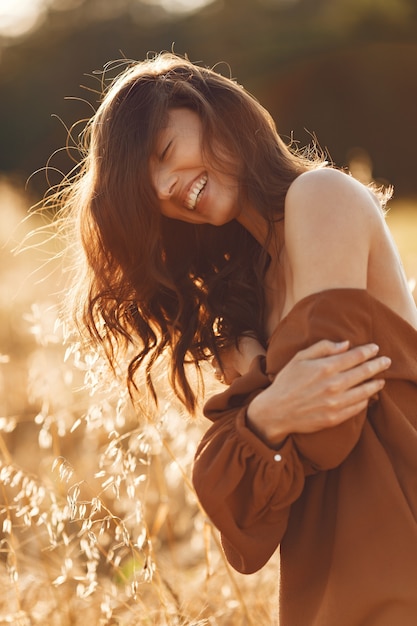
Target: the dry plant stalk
(99, 519)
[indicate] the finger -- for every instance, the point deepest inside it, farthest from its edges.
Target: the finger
(365, 371)
(351, 358)
(337, 356)
(322, 349)
(353, 402)
(361, 393)
(347, 413)
(357, 356)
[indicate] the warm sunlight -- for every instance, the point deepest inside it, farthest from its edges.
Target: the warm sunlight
(18, 18)
(180, 6)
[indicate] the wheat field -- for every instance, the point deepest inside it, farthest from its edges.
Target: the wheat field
(99, 521)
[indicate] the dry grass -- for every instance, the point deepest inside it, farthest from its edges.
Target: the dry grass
(100, 523)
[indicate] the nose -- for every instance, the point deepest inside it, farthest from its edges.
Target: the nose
(165, 185)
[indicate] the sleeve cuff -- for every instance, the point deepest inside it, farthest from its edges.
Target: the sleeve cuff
(268, 453)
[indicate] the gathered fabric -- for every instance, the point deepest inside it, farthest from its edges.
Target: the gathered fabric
(340, 503)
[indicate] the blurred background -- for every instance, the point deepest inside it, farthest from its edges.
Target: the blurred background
(345, 70)
(341, 71)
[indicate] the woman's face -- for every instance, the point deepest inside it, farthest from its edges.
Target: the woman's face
(188, 187)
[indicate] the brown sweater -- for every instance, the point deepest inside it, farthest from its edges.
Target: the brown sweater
(342, 502)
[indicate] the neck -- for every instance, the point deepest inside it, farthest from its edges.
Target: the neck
(257, 226)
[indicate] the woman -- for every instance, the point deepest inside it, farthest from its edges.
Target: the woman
(205, 236)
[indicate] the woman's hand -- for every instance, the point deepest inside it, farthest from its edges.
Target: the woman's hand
(235, 361)
(321, 387)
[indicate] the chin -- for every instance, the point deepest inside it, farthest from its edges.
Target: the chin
(219, 218)
(220, 221)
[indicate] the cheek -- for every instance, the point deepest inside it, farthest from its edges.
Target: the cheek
(230, 186)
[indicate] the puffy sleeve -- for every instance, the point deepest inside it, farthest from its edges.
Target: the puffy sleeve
(246, 487)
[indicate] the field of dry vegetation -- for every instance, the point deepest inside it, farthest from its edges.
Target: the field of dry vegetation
(99, 522)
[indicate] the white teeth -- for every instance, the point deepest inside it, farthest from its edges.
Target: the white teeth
(191, 200)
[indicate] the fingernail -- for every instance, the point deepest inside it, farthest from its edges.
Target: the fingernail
(386, 360)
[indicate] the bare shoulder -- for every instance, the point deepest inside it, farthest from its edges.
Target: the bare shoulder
(330, 220)
(327, 186)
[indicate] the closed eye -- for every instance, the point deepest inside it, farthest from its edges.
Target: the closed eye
(164, 152)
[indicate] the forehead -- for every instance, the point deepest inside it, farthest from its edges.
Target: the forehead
(183, 121)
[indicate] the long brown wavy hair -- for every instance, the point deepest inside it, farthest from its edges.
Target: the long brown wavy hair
(160, 284)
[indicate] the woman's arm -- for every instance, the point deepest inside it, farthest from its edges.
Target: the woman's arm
(246, 485)
(322, 386)
(330, 222)
(329, 225)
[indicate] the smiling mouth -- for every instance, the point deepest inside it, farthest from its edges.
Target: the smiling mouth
(195, 193)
